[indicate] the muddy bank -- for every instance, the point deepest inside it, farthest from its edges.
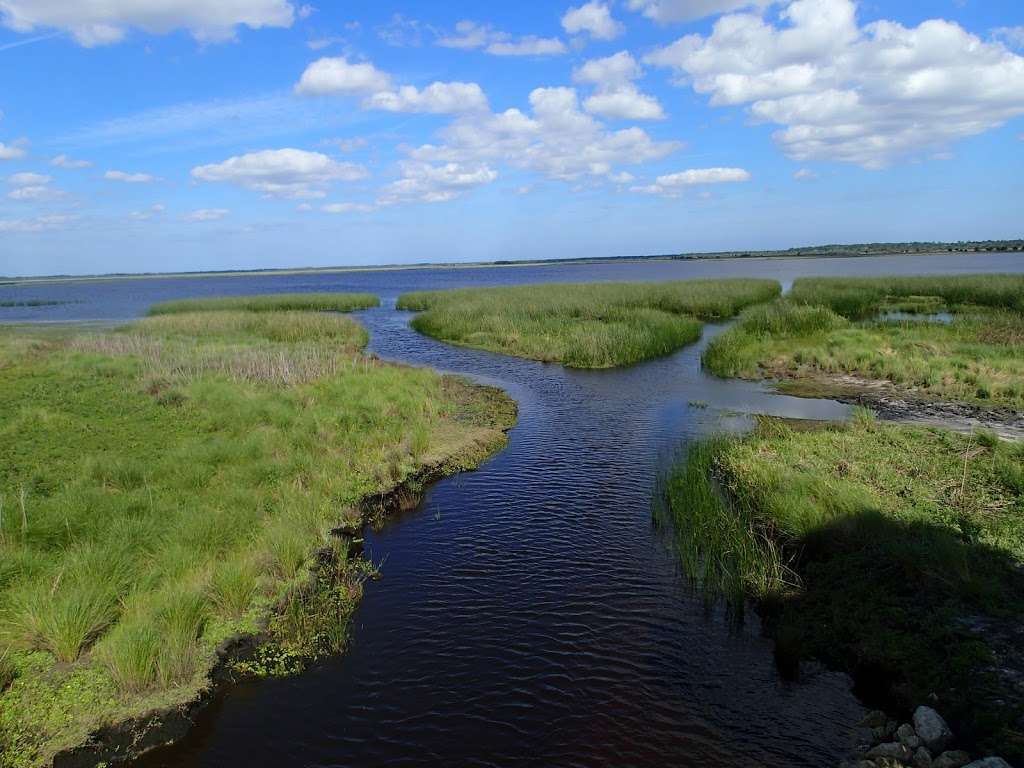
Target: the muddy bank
(124, 742)
(904, 405)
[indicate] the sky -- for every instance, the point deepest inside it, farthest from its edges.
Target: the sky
(171, 135)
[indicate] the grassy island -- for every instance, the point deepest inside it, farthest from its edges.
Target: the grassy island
(173, 484)
(949, 338)
(595, 325)
(890, 552)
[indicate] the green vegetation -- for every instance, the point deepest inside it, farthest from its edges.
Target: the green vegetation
(879, 549)
(165, 486)
(830, 327)
(595, 325)
(276, 302)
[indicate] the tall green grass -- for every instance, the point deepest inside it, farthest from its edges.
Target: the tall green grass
(974, 358)
(165, 485)
(868, 546)
(858, 298)
(275, 302)
(596, 325)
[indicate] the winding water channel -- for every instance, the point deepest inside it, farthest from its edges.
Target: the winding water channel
(530, 613)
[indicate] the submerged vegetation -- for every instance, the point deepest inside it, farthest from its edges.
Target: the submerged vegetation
(165, 487)
(954, 338)
(274, 302)
(597, 325)
(892, 552)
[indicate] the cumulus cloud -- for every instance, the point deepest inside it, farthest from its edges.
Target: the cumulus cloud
(665, 11)
(423, 182)
(866, 95)
(37, 224)
(129, 178)
(1012, 36)
(805, 174)
(206, 214)
(12, 151)
(470, 35)
(289, 173)
(346, 208)
(32, 187)
(671, 184)
(338, 76)
(149, 213)
(101, 23)
(558, 140)
(615, 95)
(594, 18)
(63, 161)
(437, 98)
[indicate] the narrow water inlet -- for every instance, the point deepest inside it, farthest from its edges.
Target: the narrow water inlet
(530, 613)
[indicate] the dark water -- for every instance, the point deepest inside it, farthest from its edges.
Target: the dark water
(530, 613)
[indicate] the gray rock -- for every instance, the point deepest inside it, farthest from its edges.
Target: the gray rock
(906, 734)
(932, 729)
(892, 750)
(954, 759)
(989, 762)
(922, 758)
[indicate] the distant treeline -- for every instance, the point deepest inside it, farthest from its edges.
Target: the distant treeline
(869, 249)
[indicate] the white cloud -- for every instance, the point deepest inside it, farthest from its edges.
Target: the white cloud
(37, 224)
(402, 31)
(32, 187)
(1012, 36)
(594, 18)
(665, 11)
(206, 214)
(671, 184)
(12, 151)
(623, 177)
(867, 95)
(153, 210)
(63, 161)
(616, 96)
(423, 182)
(96, 22)
(337, 76)
(527, 46)
(129, 178)
(436, 98)
(469, 35)
(805, 174)
(291, 173)
(346, 208)
(28, 179)
(559, 140)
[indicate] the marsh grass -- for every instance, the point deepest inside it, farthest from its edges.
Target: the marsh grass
(595, 325)
(974, 358)
(276, 302)
(868, 546)
(164, 486)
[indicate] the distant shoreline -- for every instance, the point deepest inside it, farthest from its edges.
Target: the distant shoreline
(812, 252)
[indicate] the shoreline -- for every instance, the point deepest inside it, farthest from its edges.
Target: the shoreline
(284, 272)
(132, 738)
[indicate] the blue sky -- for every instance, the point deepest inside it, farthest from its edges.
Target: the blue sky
(165, 135)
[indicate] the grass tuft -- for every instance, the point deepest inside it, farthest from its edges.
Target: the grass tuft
(276, 302)
(595, 325)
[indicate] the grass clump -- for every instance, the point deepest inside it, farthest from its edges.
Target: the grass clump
(275, 302)
(829, 328)
(596, 325)
(879, 549)
(165, 486)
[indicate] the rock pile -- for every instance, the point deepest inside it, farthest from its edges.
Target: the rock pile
(882, 743)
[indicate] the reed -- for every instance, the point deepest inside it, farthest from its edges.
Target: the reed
(595, 325)
(276, 302)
